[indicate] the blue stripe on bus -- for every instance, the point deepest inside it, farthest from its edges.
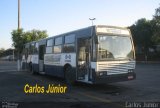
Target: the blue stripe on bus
(54, 70)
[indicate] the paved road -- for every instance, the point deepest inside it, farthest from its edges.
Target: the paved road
(7, 66)
(144, 89)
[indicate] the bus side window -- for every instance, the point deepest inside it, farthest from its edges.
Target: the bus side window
(69, 43)
(36, 48)
(58, 45)
(49, 46)
(68, 48)
(57, 49)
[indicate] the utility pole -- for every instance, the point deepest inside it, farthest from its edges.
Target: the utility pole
(13, 54)
(18, 14)
(18, 61)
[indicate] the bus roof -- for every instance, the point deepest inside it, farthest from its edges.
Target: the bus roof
(86, 32)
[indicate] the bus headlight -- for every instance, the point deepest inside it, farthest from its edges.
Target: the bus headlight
(102, 73)
(130, 70)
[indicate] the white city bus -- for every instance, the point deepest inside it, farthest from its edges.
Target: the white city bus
(96, 54)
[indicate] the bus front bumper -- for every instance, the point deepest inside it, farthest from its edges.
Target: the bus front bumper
(114, 78)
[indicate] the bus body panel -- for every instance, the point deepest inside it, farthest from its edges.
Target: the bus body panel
(113, 71)
(60, 59)
(34, 59)
(35, 62)
(114, 78)
(115, 67)
(54, 63)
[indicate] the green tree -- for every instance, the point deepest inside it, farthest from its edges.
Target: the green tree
(19, 37)
(142, 33)
(34, 35)
(1, 51)
(156, 26)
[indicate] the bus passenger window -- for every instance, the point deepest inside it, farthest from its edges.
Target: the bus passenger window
(57, 49)
(49, 42)
(58, 41)
(36, 48)
(70, 39)
(69, 45)
(68, 48)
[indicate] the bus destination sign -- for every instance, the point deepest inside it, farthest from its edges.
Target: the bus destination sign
(111, 30)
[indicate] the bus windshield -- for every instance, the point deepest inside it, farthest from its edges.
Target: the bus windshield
(114, 47)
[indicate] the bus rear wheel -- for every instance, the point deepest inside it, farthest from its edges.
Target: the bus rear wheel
(70, 75)
(31, 70)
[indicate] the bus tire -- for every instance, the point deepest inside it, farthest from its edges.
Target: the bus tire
(70, 75)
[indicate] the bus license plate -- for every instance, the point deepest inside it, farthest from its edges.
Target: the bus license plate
(130, 77)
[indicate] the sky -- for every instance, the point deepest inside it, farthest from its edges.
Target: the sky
(60, 16)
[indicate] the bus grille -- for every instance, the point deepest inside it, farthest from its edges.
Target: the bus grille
(116, 67)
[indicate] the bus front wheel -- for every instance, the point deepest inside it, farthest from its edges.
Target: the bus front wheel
(70, 75)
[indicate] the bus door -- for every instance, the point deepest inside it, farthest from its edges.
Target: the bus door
(83, 59)
(42, 49)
